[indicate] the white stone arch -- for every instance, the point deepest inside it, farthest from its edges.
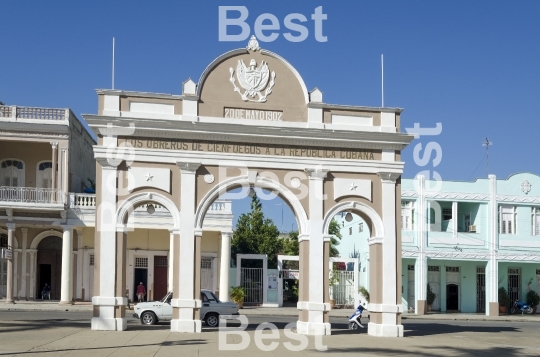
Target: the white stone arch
(41, 236)
(240, 51)
(15, 242)
(377, 223)
(260, 182)
(128, 206)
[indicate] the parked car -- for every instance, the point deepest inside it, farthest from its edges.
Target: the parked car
(153, 311)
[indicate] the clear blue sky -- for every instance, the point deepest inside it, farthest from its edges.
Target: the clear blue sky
(473, 66)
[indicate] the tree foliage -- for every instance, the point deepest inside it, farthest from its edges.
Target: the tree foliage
(291, 246)
(255, 234)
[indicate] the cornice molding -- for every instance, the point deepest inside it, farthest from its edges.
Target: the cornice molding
(232, 132)
(472, 255)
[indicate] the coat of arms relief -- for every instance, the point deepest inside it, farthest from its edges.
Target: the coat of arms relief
(253, 79)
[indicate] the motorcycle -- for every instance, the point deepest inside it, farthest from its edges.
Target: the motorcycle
(520, 306)
(354, 319)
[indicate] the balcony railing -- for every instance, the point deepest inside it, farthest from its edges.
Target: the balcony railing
(31, 195)
(15, 113)
(88, 201)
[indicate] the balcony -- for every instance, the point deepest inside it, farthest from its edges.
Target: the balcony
(34, 115)
(31, 198)
(83, 206)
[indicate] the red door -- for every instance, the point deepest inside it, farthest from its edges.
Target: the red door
(160, 277)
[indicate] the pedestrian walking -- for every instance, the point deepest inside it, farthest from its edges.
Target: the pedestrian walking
(141, 292)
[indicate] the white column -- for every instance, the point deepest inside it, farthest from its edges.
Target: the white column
(54, 145)
(389, 309)
(66, 292)
(33, 261)
(455, 219)
(186, 302)
(422, 227)
(225, 263)
(492, 269)
(15, 274)
(105, 298)
(315, 305)
(24, 276)
(170, 267)
(79, 282)
(9, 288)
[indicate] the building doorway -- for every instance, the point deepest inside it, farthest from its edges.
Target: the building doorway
(160, 277)
(49, 265)
(452, 297)
(514, 284)
(141, 276)
(480, 289)
(434, 280)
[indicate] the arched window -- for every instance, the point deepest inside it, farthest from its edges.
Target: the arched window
(12, 173)
(44, 175)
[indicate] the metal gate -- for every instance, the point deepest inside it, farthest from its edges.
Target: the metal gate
(207, 274)
(480, 289)
(514, 283)
(343, 292)
(252, 281)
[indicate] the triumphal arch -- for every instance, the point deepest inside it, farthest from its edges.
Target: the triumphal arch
(249, 122)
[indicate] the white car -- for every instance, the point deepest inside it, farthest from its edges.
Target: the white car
(153, 311)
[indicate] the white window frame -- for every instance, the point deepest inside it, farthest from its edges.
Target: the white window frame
(504, 226)
(407, 212)
(535, 215)
(20, 175)
(39, 174)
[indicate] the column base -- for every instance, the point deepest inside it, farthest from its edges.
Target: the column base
(10, 302)
(313, 328)
(186, 326)
(65, 303)
(112, 324)
(380, 330)
(493, 309)
(421, 307)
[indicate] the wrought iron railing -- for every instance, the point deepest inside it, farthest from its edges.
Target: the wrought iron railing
(31, 195)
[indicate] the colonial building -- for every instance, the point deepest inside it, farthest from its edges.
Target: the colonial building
(47, 221)
(44, 154)
(248, 123)
(467, 239)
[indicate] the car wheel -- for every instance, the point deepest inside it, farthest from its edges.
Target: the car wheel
(148, 318)
(212, 320)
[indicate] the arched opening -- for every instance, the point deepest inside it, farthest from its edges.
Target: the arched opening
(12, 173)
(49, 266)
(146, 245)
(44, 174)
(265, 219)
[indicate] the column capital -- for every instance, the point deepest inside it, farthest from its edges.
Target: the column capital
(79, 232)
(227, 234)
(54, 144)
(389, 177)
(11, 226)
(174, 231)
(66, 228)
(108, 163)
(188, 167)
(24, 231)
(198, 232)
(316, 174)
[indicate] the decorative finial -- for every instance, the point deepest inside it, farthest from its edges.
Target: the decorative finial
(253, 44)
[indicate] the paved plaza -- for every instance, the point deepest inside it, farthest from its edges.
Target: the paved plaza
(67, 333)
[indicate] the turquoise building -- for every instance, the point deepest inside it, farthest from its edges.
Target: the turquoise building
(466, 239)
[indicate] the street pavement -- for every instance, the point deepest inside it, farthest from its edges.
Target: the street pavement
(67, 333)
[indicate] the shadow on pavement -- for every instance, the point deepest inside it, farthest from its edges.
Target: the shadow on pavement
(425, 329)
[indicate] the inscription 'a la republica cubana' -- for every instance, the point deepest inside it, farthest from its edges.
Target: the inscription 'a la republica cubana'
(249, 149)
